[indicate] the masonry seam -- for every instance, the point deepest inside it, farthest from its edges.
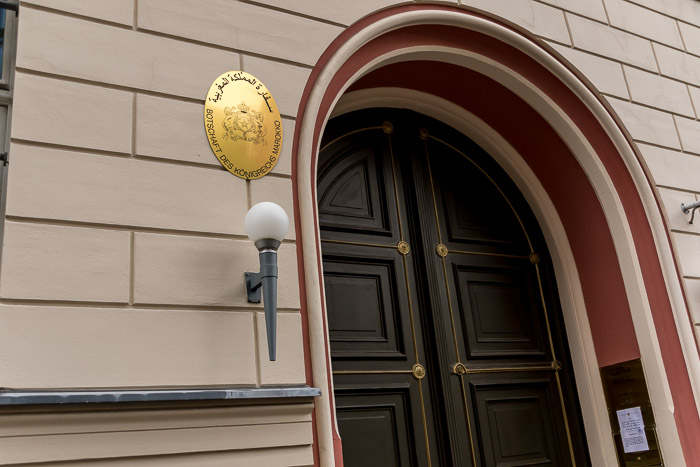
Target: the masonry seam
(568, 29)
(130, 228)
(68, 14)
(627, 84)
(295, 13)
(132, 267)
(630, 65)
(605, 9)
(692, 103)
(140, 157)
(678, 133)
(171, 36)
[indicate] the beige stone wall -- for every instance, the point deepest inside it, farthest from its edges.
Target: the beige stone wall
(261, 436)
(124, 248)
(124, 235)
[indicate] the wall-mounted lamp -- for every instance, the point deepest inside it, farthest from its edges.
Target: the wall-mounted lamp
(266, 225)
(687, 207)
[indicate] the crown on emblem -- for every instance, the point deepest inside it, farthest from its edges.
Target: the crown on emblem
(243, 108)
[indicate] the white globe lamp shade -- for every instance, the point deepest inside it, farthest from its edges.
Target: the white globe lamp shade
(266, 220)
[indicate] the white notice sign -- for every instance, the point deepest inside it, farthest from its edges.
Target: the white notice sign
(632, 430)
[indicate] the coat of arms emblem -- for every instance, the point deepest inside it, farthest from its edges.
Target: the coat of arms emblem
(242, 123)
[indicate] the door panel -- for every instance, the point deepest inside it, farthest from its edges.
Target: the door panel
(498, 312)
(516, 420)
(356, 199)
(364, 296)
(475, 214)
(377, 423)
(384, 406)
(446, 338)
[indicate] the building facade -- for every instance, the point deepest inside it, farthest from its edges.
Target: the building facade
(487, 263)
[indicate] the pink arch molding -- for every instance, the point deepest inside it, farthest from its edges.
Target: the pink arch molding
(552, 162)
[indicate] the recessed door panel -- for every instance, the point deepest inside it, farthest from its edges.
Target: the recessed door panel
(474, 212)
(364, 310)
(518, 422)
(377, 424)
(355, 195)
(500, 312)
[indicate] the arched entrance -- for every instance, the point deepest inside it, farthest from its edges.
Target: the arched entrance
(447, 341)
(555, 137)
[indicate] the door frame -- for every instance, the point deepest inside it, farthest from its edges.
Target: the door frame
(359, 50)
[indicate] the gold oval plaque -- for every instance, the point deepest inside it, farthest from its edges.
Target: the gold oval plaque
(243, 125)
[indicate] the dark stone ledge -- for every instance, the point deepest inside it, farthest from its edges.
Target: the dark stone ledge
(30, 397)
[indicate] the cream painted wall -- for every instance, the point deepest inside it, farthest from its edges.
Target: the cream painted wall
(123, 231)
(263, 436)
(124, 247)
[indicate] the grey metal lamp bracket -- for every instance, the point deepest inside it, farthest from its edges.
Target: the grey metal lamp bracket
(688, 207)
(253, 285)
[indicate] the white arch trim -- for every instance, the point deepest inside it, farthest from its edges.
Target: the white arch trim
(588, 379)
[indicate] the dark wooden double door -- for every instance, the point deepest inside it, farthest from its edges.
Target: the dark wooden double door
(447, 343)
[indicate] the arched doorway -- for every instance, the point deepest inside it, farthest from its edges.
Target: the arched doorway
(446, 336)
(570, 157)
